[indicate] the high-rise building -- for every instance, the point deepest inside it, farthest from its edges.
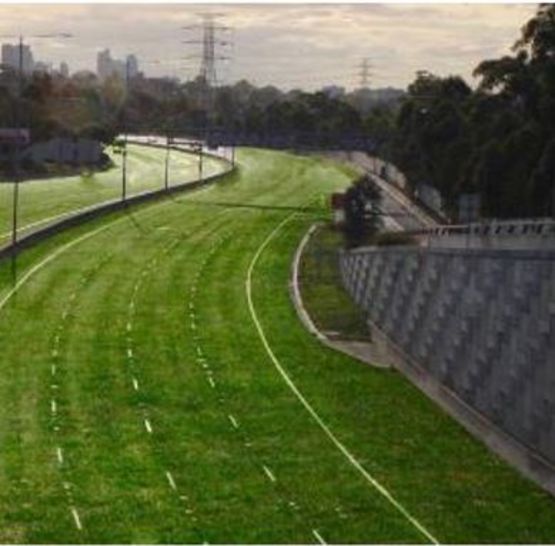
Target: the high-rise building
(10, 57)
(108, 67)
(64, 69)
(132, 66)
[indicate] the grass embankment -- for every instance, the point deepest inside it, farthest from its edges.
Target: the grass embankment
(174, 424)
(44, 199)
(329, 305)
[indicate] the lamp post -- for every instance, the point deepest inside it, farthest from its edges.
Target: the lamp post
(167, 158)
(124, 123)
(167, 164)
(19, 130)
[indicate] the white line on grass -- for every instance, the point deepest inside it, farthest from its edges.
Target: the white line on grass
(148, 426)
(318, 536)
(171, 481)
(60, 455)
(153, 208)
(135, 384)
(129, 353)
(212, 382)
(349, 456)
(233, 421)
(269, 473)
(53, 369)
(53, 407)
(76, 518)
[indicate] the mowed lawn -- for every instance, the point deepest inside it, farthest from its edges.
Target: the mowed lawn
(42, 200)
(139, 403)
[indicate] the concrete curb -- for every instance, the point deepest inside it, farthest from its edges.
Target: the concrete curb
(296, 297)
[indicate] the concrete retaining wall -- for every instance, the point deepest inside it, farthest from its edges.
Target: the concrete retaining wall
(481, 324)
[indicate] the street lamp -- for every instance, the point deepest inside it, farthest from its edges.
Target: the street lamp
(19, 132)
(167, 159)
(124, 123)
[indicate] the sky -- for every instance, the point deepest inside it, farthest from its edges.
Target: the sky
(288, 45)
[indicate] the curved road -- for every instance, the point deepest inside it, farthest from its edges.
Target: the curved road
(141, 401)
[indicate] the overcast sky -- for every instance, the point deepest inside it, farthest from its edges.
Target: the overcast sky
(288, 45)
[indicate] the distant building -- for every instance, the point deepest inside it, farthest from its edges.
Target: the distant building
(10, 57)
(132, 66)
(108, 67)
(64, 70)
(81, 151)
(44, 68)
(12, 139)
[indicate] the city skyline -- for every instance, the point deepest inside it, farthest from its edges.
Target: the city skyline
(286, 45)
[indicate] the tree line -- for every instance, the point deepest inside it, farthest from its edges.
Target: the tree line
(498, 140)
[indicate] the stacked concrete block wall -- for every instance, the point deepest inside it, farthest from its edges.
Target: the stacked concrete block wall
(481, 322)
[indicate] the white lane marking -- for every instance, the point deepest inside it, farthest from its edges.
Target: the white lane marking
(199, 351)
(52, 257)
(148, 426)
(135, 384)
(53, 407)
(349, 456)
(53, 369)
(56, 339)
(129, 326)
(76, 518)
(26, 276)
(269, 473)
(233, 421)
(212, 382)
(171, 481)
(60, 455)
(318, 536)
(129, 353)
(54, 353)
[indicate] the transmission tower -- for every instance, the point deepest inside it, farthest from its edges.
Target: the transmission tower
(212, 50)
(365, 73)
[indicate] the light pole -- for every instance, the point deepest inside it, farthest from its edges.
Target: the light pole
(167, 159)
(167, 165)
(19, 129)
(124, 123)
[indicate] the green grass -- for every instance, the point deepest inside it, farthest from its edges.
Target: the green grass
(182, 262)
(46, 198)
(328, 303)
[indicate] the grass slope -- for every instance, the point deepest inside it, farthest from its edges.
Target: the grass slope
(171, 424)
